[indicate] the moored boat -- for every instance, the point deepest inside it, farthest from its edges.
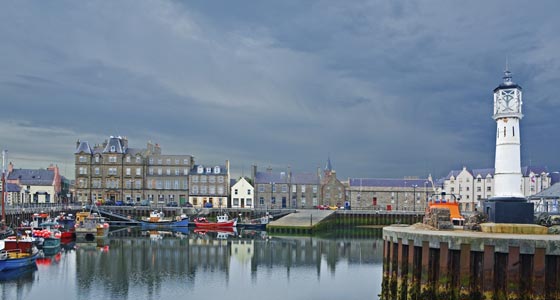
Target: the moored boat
(90, 226)
(157, 220)
(16, 258)
(222, 221)
(257, 224)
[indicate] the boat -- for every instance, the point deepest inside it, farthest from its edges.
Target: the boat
(257, 224)
(16, 258)
(51, 237)
(158, 220)
(452, 205)
(90, 225)
(222, 221)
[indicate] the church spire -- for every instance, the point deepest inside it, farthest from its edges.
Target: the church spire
(328, 166)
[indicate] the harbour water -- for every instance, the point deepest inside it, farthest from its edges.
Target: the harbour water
(136, 264)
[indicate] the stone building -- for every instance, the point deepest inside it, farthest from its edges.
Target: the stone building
(472, 186)
(333, 191)
(286, 189)
(408, 194)
(114, 171)
(209, 186)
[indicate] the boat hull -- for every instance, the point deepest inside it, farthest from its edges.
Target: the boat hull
(165, 224)
(19, 262)
(252, 226)
(51, 246)
(214, 225)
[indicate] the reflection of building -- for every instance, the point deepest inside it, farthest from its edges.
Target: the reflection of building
(114, 171)
(242, 250)
(242, 194)
(34, 185)
(209, 185)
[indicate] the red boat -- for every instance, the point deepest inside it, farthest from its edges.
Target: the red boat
(222, 221)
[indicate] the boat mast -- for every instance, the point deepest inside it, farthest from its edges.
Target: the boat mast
(4, 157)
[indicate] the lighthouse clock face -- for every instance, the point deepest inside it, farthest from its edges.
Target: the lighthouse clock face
(508, 101)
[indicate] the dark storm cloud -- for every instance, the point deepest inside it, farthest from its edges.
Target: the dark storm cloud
(387, 88)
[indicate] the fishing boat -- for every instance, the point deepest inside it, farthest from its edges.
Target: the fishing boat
(90, 225)
(158, 220)
(222, 221)
(16, 258)
(51, 237)
(257, 224)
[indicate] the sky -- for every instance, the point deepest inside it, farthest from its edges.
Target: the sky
(384, 88)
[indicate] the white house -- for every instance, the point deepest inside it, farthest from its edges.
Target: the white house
(242, 194)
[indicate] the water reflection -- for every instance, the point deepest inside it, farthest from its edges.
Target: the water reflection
(136, 264)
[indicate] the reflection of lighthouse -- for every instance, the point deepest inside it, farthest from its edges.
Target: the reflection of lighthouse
(508, 205)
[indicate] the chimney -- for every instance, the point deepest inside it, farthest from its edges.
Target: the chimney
(77, 143)
(253, 173)
(125, 142)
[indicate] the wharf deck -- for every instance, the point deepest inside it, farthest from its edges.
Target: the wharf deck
(301, 219)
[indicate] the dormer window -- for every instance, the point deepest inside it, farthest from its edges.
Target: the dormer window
(200, 170)
(208, 170)
(216, 170)
(112, 148)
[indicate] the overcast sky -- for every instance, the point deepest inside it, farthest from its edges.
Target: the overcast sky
(386, 88)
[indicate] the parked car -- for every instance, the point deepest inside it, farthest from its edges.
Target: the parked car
(172, 204)
(109, 202)
(208, 205)
(119, 203)
(130, 203)
(145, 202)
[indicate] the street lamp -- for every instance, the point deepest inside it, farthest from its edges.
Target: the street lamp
(414, 198)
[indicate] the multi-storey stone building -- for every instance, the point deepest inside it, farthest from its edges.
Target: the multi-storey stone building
(286, 190)
(408, 194)
(333, 192)
(472, 186)
(209, 186)
(113, 171)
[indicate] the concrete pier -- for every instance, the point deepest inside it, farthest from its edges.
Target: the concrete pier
(428, 264)
(302, 221)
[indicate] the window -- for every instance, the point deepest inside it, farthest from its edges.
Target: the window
(203, 179)
(220, 190)
(195, 189)
(168, 161)
(185, 161)
(138, 171)
(303, 188)
(128, 184)
(195, 179)
(216, 170)
(96, 170)
(138, 159)
(151, 171)
(200, 170)
(284, 188)
(220, 179)
(112, 148)
(504, 131)
(97, 159)
(513, 129)
(488, 189)
(112, 171)
(208, 170)
(478, 189)
(294, 188)
(176, 161)
(168, 184)
(168, 172)
(128, 171)
(212, 190)
(138, 184)
(235, 201)
(235, 191)
(185, 171)
(159, 171)
(82, 159)
(203, 189)
(212, 179)
(273, 188)
(315, 189)
(159, 184)
(112, 159)
(151, 160)
(478, 179)
(128, 159)
(261, 200)
(248, 202)
(159, 161)
(176, 184)
(176, 172)
(261, 188)
(249, 192)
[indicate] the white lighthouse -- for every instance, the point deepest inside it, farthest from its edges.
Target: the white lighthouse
(507, 114)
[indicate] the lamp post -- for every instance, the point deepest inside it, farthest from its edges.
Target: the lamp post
(414, 186)
(426, 191)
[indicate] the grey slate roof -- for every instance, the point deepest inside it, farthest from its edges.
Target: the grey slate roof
(535, 169)
(269, 177)
(84, 147)
(194, 170)
(32, 177)
(389, 182)
(483, 172)
(552, 192)
(525, 171)
(114, 146)
(12, 187)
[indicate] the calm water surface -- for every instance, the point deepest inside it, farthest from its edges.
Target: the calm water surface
(135, 264)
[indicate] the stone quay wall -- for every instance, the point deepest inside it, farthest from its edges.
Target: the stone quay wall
(419, 263)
